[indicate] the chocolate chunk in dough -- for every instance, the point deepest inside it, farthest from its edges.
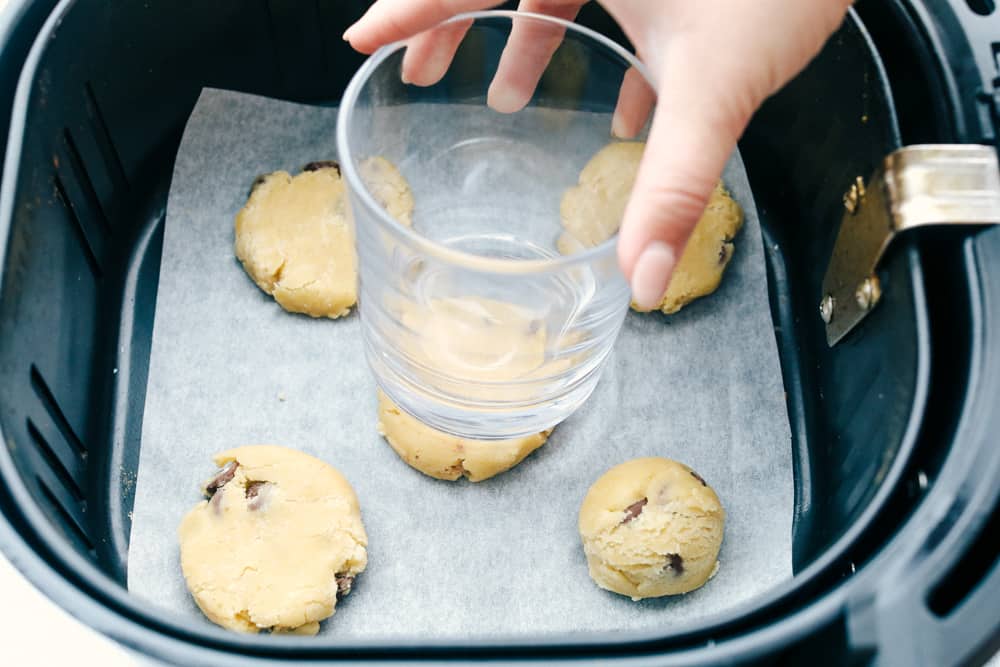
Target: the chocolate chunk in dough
(675, 564)
(223, 477)
(634, 510)
(279, 542)
(674, 545)
(322, 164)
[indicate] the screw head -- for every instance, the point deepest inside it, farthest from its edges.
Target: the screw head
(868, 293)
(826, 308)
(851, 200)
(855, 196)
(859, 183)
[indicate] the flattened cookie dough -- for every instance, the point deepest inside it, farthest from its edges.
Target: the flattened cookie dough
(651, 527)
(707, 253)
(445, 456)
(592, 210)
(277, 543)
(389, 188)
(295, 240)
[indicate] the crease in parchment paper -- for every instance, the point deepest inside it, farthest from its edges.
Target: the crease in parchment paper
(501, 558)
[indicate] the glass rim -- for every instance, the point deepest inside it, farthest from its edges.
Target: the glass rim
(426, 245)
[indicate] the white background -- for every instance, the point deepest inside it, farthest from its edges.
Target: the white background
(34, 631)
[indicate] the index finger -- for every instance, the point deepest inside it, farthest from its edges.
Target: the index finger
(529, 50)
(389, 21)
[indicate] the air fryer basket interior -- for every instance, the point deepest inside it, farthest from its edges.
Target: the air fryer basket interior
(110, 97)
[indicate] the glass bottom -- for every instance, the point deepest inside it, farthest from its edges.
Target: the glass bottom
(481, 419)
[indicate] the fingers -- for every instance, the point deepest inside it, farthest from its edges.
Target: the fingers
(430, 50)
(527, 53)
(695, 127)
(392, 20)
(429, 54)
(635, 102)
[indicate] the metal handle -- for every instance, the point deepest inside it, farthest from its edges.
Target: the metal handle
(916, 186)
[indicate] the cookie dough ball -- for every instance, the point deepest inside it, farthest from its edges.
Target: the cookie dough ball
(445, 456)
(592, 211)
(389, 188)
(651, 527)
(277, 543)
(706, 254)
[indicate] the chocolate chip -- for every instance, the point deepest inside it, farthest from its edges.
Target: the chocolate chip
(724, 253)
(257, 182)
(674, 564)
(252, 493)
(698, 477)
(344, 582)
(634, 510)
(322, 164)
(223, 477)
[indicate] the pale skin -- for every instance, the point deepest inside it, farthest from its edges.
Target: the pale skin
(721, 58)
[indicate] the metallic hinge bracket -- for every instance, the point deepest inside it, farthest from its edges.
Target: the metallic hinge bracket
(916, 186)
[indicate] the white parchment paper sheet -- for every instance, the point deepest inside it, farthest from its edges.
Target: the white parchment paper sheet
(446, 560)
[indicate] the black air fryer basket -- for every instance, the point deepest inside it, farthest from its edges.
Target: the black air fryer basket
(895, 427)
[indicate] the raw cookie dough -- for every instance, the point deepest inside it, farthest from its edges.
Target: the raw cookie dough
(592, 211)
(277, 543)
(651, 527)
(445, 456)
(295, 241)
(482, 349)
(294, 236)
(706, 254)
(389, 188)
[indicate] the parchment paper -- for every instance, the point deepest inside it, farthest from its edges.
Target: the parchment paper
(446, 560)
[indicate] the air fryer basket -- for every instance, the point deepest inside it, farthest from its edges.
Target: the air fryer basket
(895, 482)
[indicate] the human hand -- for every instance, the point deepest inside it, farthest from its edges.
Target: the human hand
(712, 62)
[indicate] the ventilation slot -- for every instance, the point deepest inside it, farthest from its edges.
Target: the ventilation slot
(49, 401)
(81, 235)
(103, 136)
(64, 518)
(54, 463)
(980, 557)
(995, 50)
(86, 185)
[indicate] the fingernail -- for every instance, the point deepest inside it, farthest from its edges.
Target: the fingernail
(428, 72)
(347, 34)
(504, 99)
(405, 79)
(618, 129)
(651, 274)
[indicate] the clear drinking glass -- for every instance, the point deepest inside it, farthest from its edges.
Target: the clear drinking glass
(473, 321)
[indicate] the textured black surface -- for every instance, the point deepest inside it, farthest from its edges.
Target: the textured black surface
(850, 405)
(19, 22)
(96, 161)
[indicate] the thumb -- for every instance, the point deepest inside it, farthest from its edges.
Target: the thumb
(695, 127)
